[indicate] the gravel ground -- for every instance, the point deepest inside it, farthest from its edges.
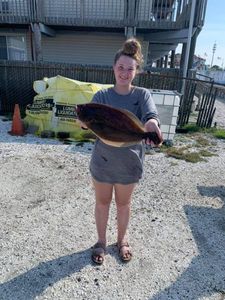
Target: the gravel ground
(177, 229)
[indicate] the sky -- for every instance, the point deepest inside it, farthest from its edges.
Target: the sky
(213, 32)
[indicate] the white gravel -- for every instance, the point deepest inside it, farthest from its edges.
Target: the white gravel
(177, 228)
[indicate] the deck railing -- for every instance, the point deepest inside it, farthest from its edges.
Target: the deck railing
(103, 13)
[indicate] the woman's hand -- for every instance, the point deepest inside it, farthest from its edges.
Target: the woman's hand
(152, 126)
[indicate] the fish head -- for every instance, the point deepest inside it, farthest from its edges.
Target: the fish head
(84, 112)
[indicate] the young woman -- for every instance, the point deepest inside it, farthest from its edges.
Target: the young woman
(115, 169)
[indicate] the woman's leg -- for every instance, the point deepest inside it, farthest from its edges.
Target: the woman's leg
(123, 194)
(103, 196)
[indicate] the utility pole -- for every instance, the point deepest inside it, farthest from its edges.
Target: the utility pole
(213, 52)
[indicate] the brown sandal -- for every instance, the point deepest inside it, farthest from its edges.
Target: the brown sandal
(127, 255)
(98, 253)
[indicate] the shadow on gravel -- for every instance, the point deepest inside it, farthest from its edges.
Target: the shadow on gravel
(31, 284)
(205, 275)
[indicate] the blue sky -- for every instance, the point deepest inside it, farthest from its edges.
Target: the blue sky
(213, 31)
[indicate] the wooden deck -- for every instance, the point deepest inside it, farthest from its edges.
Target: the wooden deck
(146, 14)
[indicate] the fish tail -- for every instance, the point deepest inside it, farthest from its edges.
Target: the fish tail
(152, 136)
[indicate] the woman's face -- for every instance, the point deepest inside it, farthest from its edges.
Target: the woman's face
(125, 70)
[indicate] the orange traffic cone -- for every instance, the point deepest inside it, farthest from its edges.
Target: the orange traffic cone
(17, 124)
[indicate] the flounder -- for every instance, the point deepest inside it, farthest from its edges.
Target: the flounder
(114, 126)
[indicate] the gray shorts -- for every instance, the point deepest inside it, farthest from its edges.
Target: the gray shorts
(117, 165)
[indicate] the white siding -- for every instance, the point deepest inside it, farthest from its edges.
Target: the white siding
(79, 48)
(85, 48)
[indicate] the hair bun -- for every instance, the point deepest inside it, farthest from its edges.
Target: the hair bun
(132, 48)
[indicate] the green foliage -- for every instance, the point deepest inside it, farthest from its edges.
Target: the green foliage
(192, 128)
(206, 153)
(218, 133)
(182, 153)
(216, 68)
(195, 149)
(201, 142)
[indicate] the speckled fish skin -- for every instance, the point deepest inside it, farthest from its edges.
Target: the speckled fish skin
(116, 127)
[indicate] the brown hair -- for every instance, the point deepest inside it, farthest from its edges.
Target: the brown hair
(131, 48)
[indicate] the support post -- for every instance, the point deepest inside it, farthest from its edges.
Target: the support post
(192, 50)
(130, 32)
(37, 42)
(166, 61)
(183, 53)
(172, 60)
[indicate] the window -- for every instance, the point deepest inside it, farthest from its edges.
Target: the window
(4, 7)
(12, 48)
